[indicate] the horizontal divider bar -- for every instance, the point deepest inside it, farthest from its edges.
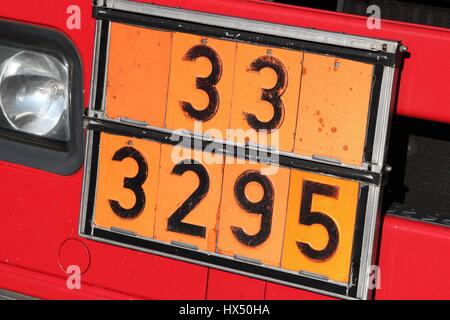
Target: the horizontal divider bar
(249, 152)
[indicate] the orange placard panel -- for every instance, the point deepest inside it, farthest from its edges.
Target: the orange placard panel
(201, 82)
(189, 197)
(127, 184)
(333, 111)
(138, 73)
(253, 211)
(265, 95)
(320, 225)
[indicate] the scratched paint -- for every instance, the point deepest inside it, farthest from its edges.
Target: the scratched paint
(333, 108)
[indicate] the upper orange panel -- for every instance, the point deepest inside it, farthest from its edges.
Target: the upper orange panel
(306, 103)
(138, 73)
(265, 95)
(201, 82)
(333, 109)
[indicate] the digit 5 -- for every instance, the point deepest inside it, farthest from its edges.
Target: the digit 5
(308, 218)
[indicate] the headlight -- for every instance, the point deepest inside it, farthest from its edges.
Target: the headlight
(34, 94)
(41, 98)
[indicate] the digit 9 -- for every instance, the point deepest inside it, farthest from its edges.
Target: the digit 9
(263, 207)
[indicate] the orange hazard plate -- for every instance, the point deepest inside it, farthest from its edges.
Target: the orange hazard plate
(249, 150)
(269, 215)
(304, 103)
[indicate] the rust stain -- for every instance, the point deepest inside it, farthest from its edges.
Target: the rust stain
(345, 148)
(304, 71)
(322, 124)
(333, 129)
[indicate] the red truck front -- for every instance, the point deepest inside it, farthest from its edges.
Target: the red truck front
(209, 149)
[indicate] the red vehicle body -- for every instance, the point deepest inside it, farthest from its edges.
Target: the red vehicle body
(40, 211)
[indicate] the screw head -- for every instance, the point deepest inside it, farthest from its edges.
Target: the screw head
(403, 48)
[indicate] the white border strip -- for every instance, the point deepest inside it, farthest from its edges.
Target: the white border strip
(331, 38)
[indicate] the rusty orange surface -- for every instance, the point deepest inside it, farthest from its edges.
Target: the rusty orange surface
(249, 83)
(110, 185)
(341, 209)
(175, 189)
(233, 215)
(138, 73)
(183, 86)
(333, 111)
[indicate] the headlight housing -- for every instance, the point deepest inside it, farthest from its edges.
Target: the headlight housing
(41, 99)
(34, 95)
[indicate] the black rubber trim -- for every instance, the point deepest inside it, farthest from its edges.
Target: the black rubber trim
(358, 239)
(101, 65)
(383, 58)
(284, 160)
(373, 112)
(92, 182)
(62, 158)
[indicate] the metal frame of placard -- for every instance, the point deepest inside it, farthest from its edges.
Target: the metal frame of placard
(384, 55)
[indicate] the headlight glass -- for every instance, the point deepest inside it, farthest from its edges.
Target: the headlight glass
(34, 94)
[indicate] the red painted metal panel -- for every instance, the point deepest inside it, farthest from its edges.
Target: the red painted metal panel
(54, 14)
(425, 75)
(230, 286)
(40, 285)
(414, 260)
(40, 211)
(279, 292)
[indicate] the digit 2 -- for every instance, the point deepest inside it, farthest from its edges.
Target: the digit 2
(175, 222)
